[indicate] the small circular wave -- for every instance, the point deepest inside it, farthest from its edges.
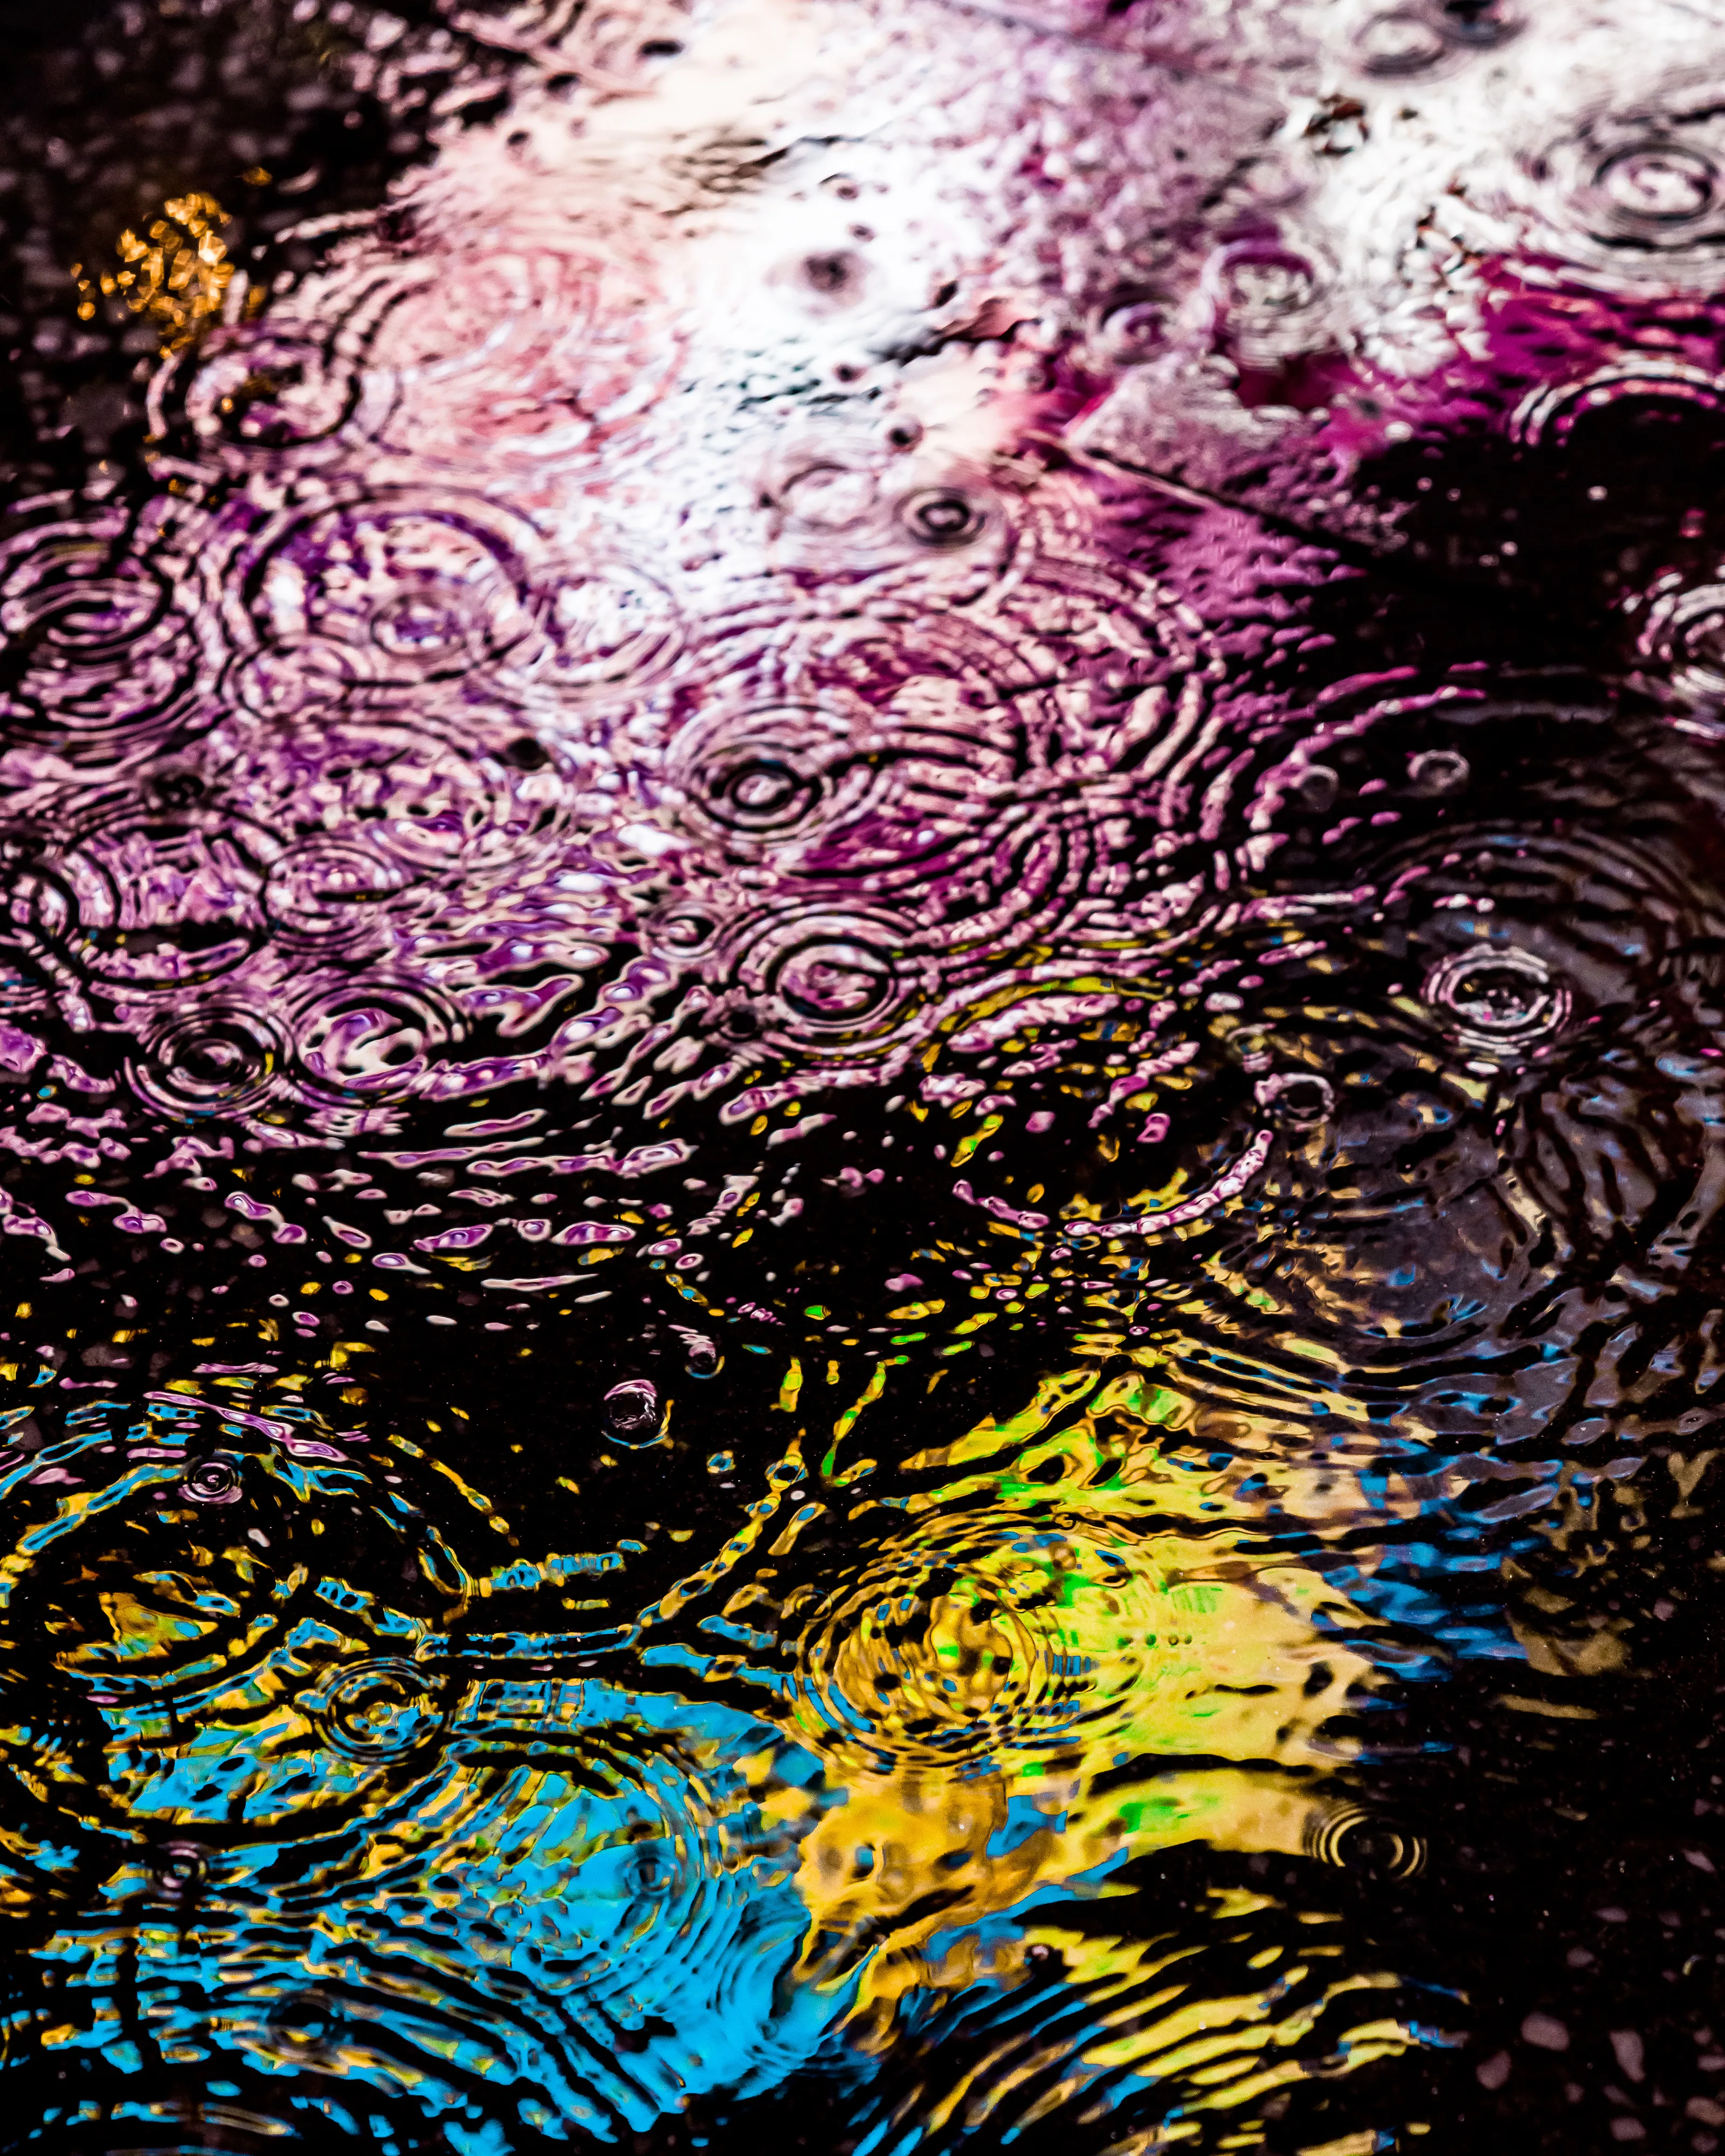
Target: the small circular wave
(927, 768)
(1652, 188)
(1498, 1000)
(1297, 1101)
(1269, 300)
(135, 1597)
(1681, 638)
(289, 393)
(144, 896)
(1356, 1839)
(1637, 197)
(832, 977)
(839, 979)
(608, 629)
(398, 591)
(215, 1059)
(682, 926)
(216, 1481)
(761, 781)
(1534, 946)
(423, 593)
(179, 1871)
(388, 798)
(944, 516)
(370, 1040)
(328, 893)
(1520, 929)
(1439, 774)
(910, 534)
(1393, 44)
(618, 1882)
(966, 1642)
(109, 625)
(162, 1602)
(1554, 413)
(522, 351)
(1400, 41)
(378, 1711)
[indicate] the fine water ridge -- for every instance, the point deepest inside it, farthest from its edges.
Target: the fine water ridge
(862, 986)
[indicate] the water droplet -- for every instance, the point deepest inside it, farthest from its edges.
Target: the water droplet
(1439, 772)
(212, 1482)
(1401, 41)
(632, 1412)
(943, 517)
(1501, 997)
(1296, 1100)
(1658, 183)
(1355, 1839)
(379, 1710)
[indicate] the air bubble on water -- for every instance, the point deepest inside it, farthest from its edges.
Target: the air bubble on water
(701, 1353)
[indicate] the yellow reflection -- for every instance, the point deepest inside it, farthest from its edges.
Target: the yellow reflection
(973, 1689)
(1062, 1661)
(176, 272)
(1151, 2016)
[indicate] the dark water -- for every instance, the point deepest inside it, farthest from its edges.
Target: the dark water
(862, 1010)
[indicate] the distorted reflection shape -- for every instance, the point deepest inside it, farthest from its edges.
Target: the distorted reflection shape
(1018, 1712)
(388, 1832)
(273, 1824)
(913, 807)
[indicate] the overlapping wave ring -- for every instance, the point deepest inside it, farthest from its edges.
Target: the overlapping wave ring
(303, 1834)
(901, 771)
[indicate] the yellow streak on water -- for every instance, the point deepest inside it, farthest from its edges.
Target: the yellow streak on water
(1004, 1659)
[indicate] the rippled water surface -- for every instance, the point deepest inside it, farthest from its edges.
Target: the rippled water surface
(862, 1076)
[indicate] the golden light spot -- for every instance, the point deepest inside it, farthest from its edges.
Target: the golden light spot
(176, 273)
